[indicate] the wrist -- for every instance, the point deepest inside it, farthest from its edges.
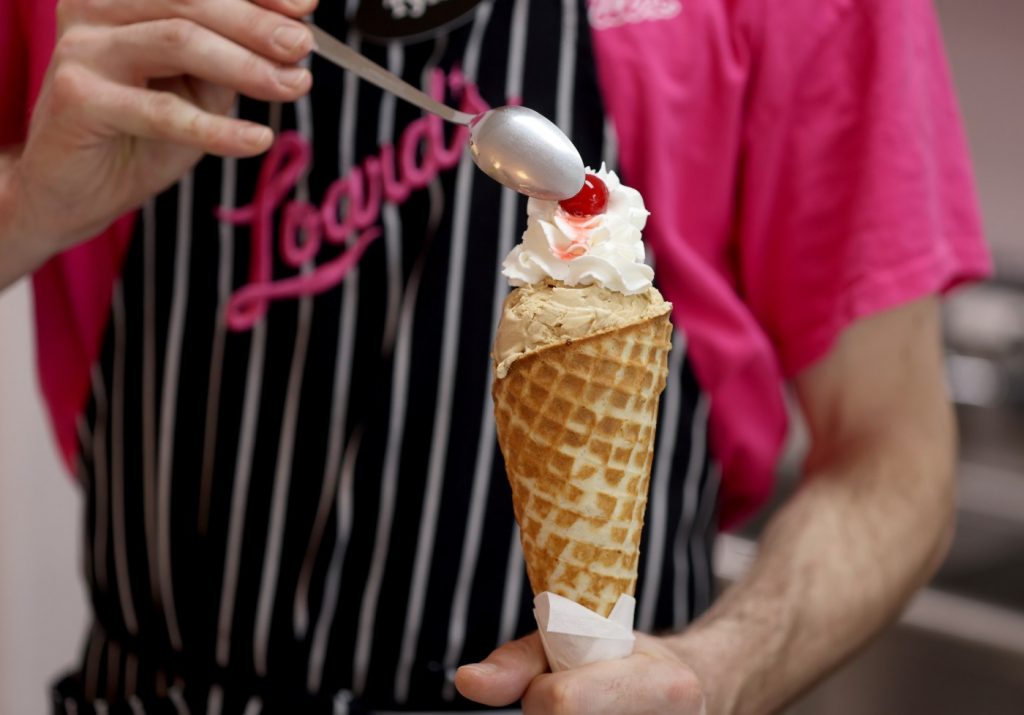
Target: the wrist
(698, 650)
(23, 247)
(729, 651)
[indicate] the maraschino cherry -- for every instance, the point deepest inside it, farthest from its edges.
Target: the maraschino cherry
(590, 201)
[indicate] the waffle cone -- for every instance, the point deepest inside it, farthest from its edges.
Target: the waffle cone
(576, 426)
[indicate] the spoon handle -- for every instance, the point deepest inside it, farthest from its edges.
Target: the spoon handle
(344, 56)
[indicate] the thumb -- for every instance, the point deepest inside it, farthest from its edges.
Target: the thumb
(504, 675)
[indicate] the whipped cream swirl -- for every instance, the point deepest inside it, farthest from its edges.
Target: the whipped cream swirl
(605, 249)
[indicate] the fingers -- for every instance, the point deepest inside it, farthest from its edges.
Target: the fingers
(638, 685)
(650, 682)
(503, 677)
(169, 48)
(267, 28)
(296, 8)
(205, 95)
(151, 114)
(238, 45)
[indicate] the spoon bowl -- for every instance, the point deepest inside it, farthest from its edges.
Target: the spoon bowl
(525, 151)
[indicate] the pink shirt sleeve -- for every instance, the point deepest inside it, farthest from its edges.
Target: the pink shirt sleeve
(805, 166)
(13, 81)
(857, 193)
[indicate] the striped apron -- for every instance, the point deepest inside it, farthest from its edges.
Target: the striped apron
(294, 498)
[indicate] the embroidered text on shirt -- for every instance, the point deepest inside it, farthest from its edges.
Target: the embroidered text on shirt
(350, 208)
(606, 14)
(409, 8)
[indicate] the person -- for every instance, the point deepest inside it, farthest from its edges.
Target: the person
(265, 295)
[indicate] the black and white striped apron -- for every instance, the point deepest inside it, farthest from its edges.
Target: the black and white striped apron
(312, 515)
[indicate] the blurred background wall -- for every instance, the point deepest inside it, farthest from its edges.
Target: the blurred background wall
(42, 604)
(961, 648)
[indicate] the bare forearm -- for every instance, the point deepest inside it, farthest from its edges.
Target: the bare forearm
(835, 566)
(20, 251)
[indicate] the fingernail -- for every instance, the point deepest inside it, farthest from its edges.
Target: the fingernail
(293, 77)
(255, 135)
(299, 5)
(288, 37)
(484, 668)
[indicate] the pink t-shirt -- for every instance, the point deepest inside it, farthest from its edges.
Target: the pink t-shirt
(804, 164)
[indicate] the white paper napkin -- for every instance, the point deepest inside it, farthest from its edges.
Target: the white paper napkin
(573, 635)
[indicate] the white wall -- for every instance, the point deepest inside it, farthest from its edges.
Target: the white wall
(983, 38)
(42, 604)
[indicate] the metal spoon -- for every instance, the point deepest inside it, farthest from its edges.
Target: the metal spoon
(515, 146)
